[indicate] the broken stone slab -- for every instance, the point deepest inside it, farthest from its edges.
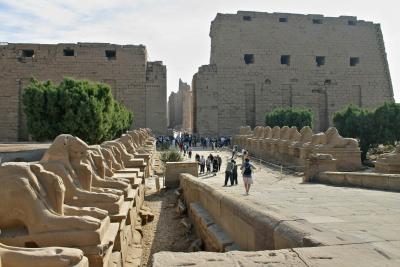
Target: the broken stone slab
(181, 208)
(185, 222)
(43, 257)
(220, 240)
(146, 214)
(101, 260)
(200, 215)
(123, 240)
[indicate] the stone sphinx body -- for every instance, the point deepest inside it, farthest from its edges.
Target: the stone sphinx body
(264, 143)
(252, 141)
(103, 173)
(345, 150)
(389, 162)
(244, 132)
(130, 140)
(94, 163)
(332, 139)
(273, 147)
(304, 137)
(43, 257)
(61, 158)
(258, 145)
(109, 160)
(32, 209)
(291, 135)
(128, 143)
(127, 159)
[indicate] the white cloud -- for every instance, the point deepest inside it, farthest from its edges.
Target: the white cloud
(174, 31)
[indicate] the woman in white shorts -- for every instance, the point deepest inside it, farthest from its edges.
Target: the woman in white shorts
(247, 171)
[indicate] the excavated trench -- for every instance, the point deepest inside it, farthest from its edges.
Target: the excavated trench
(168, 231)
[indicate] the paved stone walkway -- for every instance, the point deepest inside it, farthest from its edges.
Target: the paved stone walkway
(368, 216)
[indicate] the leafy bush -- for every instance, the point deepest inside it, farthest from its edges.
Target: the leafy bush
(371, 128)
(387, 119)
(357, 123)
(298, 117)
(80, 108)
(171, 155)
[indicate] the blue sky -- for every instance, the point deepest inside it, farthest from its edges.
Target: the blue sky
(174, 31)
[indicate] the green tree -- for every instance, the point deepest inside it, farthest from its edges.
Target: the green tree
(371, 128)
(78, 107)
(387, 117)
(298, 117)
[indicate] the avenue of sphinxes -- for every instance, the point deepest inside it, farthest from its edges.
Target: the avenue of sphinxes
(79, 205)
(273, 140)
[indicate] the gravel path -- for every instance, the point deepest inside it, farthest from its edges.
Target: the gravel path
(164, 233)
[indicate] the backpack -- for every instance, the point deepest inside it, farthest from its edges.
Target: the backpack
(247, 169)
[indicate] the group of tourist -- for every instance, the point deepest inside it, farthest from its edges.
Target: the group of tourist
(211, 164)
(246, 168)
(192, 141)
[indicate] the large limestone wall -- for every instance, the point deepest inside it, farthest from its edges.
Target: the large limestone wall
(156, 95)
(171, 110)
(176, 106)
(125, 73)
(243, 93)
(187, 112)
(205, 101)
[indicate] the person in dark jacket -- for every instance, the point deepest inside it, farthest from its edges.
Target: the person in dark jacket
(234, 173)
(219, 162)
(215, 166)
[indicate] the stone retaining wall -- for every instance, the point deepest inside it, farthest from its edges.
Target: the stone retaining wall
(371, 180)
(248, 226)
(173, 169)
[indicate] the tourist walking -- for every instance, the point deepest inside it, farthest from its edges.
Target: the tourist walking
(180, 146)
(215, 166)
(202, 164)
(247, 170)
(190, 152)
(234, 173)
(219, 162)
(208, 164)
(228, 172)
(234, 151)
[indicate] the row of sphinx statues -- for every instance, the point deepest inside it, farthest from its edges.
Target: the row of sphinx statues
(291, 147)
(83, 199)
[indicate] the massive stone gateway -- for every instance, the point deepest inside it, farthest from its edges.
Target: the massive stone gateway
(180, 108)
(260, 61)
(137, 83)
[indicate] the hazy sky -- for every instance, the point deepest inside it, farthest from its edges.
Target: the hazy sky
(174, 31)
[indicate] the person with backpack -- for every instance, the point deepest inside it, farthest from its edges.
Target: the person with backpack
(247, 171)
